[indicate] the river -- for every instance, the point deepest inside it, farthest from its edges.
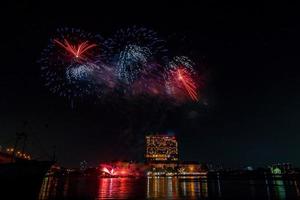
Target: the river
(166, 188)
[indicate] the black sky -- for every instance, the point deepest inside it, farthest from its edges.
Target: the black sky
(251, 57)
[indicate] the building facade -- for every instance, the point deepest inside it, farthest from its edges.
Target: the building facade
(161, 148)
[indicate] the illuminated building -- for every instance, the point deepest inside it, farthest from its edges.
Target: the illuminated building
(162, 160)
(276, 170)
(161, 148)
(283, 167)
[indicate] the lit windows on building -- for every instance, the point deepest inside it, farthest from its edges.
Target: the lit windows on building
(161, 148)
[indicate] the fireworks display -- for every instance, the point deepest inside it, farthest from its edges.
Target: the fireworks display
(132, 51)
(181, 79)
(77, 52)
(110, 172)
(134, 61)
(121, 169)
(68, 63)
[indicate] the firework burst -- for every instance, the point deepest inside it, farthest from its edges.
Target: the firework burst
(131, 51)
(181, 79)
(132, 63)
(68, 63)
(77, 51)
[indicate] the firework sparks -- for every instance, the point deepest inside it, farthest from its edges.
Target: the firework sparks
(81, 72)
(110, 172)
(69, 63)
(132, 50)
(76, 51)
(133, 62)
(181, 78)
(120, 169)
(185, 79)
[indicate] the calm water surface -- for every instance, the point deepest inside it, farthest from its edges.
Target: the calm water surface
(166, 188)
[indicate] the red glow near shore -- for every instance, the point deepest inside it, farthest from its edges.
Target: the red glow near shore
(120, 169)
(77, 51)
(116, 171)
(110, 172)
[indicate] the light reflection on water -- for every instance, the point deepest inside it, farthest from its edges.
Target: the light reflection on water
(166, 188)
(170, 188)
(116, 188)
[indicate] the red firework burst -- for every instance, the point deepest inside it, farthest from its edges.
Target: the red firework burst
(181, 79)
(76, 51)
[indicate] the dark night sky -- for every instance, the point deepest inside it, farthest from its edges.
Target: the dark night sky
(251, 56)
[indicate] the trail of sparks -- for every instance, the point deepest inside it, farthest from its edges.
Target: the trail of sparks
(188, 83)
(131, 61)
(110, 172)
(75, 51)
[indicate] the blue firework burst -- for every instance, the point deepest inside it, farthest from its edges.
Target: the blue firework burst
(131, 50)
(69, 61)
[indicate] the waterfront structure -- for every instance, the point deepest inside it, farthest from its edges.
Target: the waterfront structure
(189, 168)
(161, 148)
(11, 155)
(283, 167)
(161, 160)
